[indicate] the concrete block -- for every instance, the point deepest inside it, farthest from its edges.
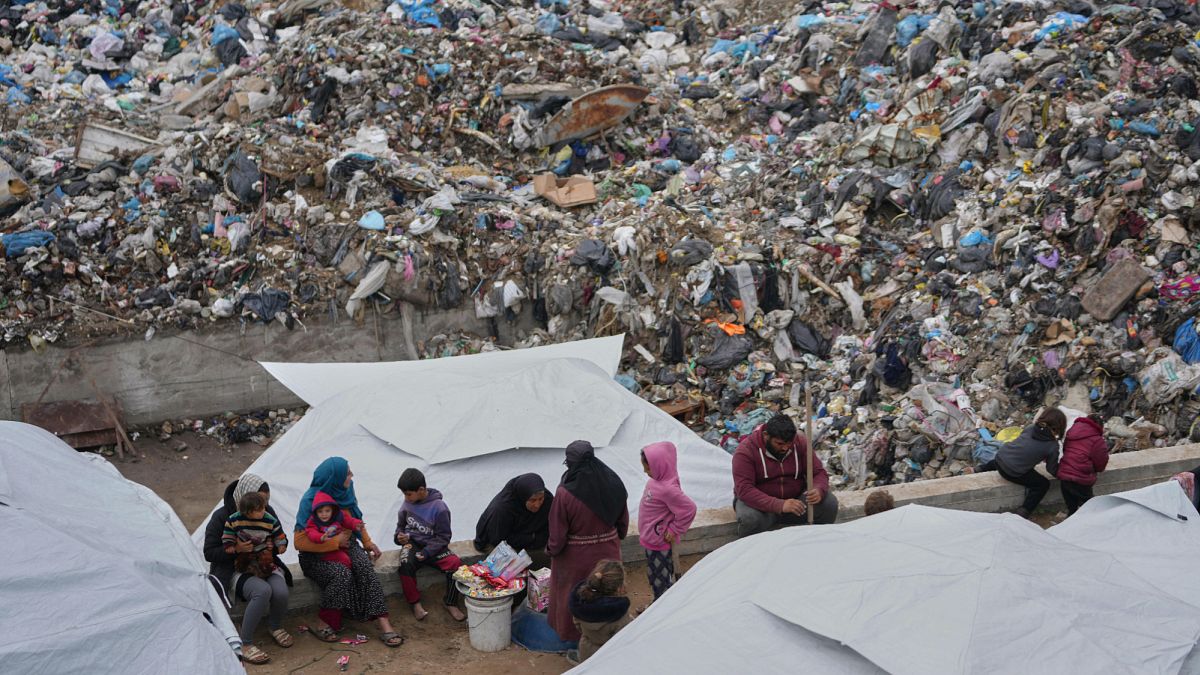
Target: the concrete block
(1104, 300)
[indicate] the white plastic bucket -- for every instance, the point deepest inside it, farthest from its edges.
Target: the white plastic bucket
(490, 623)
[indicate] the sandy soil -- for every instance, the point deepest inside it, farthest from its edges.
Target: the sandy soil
(438, 645)
(191, 480)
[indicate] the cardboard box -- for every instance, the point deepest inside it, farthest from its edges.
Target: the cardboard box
(565, 192)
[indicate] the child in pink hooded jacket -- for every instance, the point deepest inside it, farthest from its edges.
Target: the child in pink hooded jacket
(664, 515)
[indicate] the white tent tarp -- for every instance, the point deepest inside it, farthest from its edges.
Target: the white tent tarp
(316, 382)
(97, 574)
(533, 406)
(1154, 531)
(915, 590)
(476, 471)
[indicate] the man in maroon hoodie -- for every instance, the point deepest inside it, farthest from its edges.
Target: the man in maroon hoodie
(769, 472)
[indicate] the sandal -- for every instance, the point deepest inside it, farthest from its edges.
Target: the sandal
(281, 637)
(391, 639)
(254, 655)
(326, 634)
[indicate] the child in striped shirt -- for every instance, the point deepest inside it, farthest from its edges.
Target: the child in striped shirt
(252, 523)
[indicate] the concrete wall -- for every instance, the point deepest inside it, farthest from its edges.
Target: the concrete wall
(986, 492)
(173, 377)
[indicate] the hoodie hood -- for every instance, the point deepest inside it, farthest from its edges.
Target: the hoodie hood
(323, 499)
(663, 461)
(1085, 427)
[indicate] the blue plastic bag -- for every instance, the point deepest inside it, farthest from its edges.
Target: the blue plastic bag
(16, 243)
(985, 451)
(1061, 22)
(421, 11)
(908, 28)
(1187, 342)
(223, 33)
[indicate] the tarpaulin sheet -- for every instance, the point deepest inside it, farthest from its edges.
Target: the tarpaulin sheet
(98, 574)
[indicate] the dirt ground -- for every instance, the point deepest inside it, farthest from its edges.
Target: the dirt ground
(436, 646)
(191, 480)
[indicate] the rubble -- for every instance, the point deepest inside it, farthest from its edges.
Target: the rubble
(941, 215)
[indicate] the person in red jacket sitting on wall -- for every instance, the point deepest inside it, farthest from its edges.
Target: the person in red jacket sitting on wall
(769, 473)
(1084, 456)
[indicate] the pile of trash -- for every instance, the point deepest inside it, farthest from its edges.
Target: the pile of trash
(940, 215)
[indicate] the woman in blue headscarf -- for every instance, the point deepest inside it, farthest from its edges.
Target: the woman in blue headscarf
(355, 589)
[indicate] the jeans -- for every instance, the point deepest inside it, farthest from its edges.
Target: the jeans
(752, 521)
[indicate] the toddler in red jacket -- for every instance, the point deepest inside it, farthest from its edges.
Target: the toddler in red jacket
(1084, 456)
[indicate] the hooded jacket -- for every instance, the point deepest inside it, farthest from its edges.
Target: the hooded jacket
(763, 481)
(1035, 445)
(315, 529)
(220, 562)
(664, 506)
(1085, 453)
(427, 523)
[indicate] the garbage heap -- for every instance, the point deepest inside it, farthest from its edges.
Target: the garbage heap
(941, 216)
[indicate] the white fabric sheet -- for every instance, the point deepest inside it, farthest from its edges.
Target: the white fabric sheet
(316, 382)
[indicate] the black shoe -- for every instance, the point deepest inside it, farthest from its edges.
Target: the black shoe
(1022, 512)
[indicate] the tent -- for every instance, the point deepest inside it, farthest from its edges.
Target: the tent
(472, 423)
(914, 590)
(97, 574)
(316, 382)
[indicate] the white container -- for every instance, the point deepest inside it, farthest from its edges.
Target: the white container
(490, 623)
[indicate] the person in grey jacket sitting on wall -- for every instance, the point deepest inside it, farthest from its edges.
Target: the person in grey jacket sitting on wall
(1017, 460)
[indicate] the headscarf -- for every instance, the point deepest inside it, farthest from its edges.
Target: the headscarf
(245, 485)
(593, 483)
(507, 519)
(329, 477)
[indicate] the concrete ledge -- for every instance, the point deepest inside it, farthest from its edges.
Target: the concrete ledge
(714, 528)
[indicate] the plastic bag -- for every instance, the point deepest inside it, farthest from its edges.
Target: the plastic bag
(266, 303)
(500, 557)
(243, 179)
(594, 254)
(15, 244)
(690, 252)
(807, 339)
(1187, 342)
(727, 351)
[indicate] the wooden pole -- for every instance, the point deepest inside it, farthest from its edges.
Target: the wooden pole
(808, 441)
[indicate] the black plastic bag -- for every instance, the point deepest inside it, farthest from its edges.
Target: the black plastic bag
(690, 252)
(684, 149)
(320, 106)
(806, 338)
(230, 52)
(674, 350)
(595, 255)
(728, 351)
(243, 178)
(266, 303)
(450, 295)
